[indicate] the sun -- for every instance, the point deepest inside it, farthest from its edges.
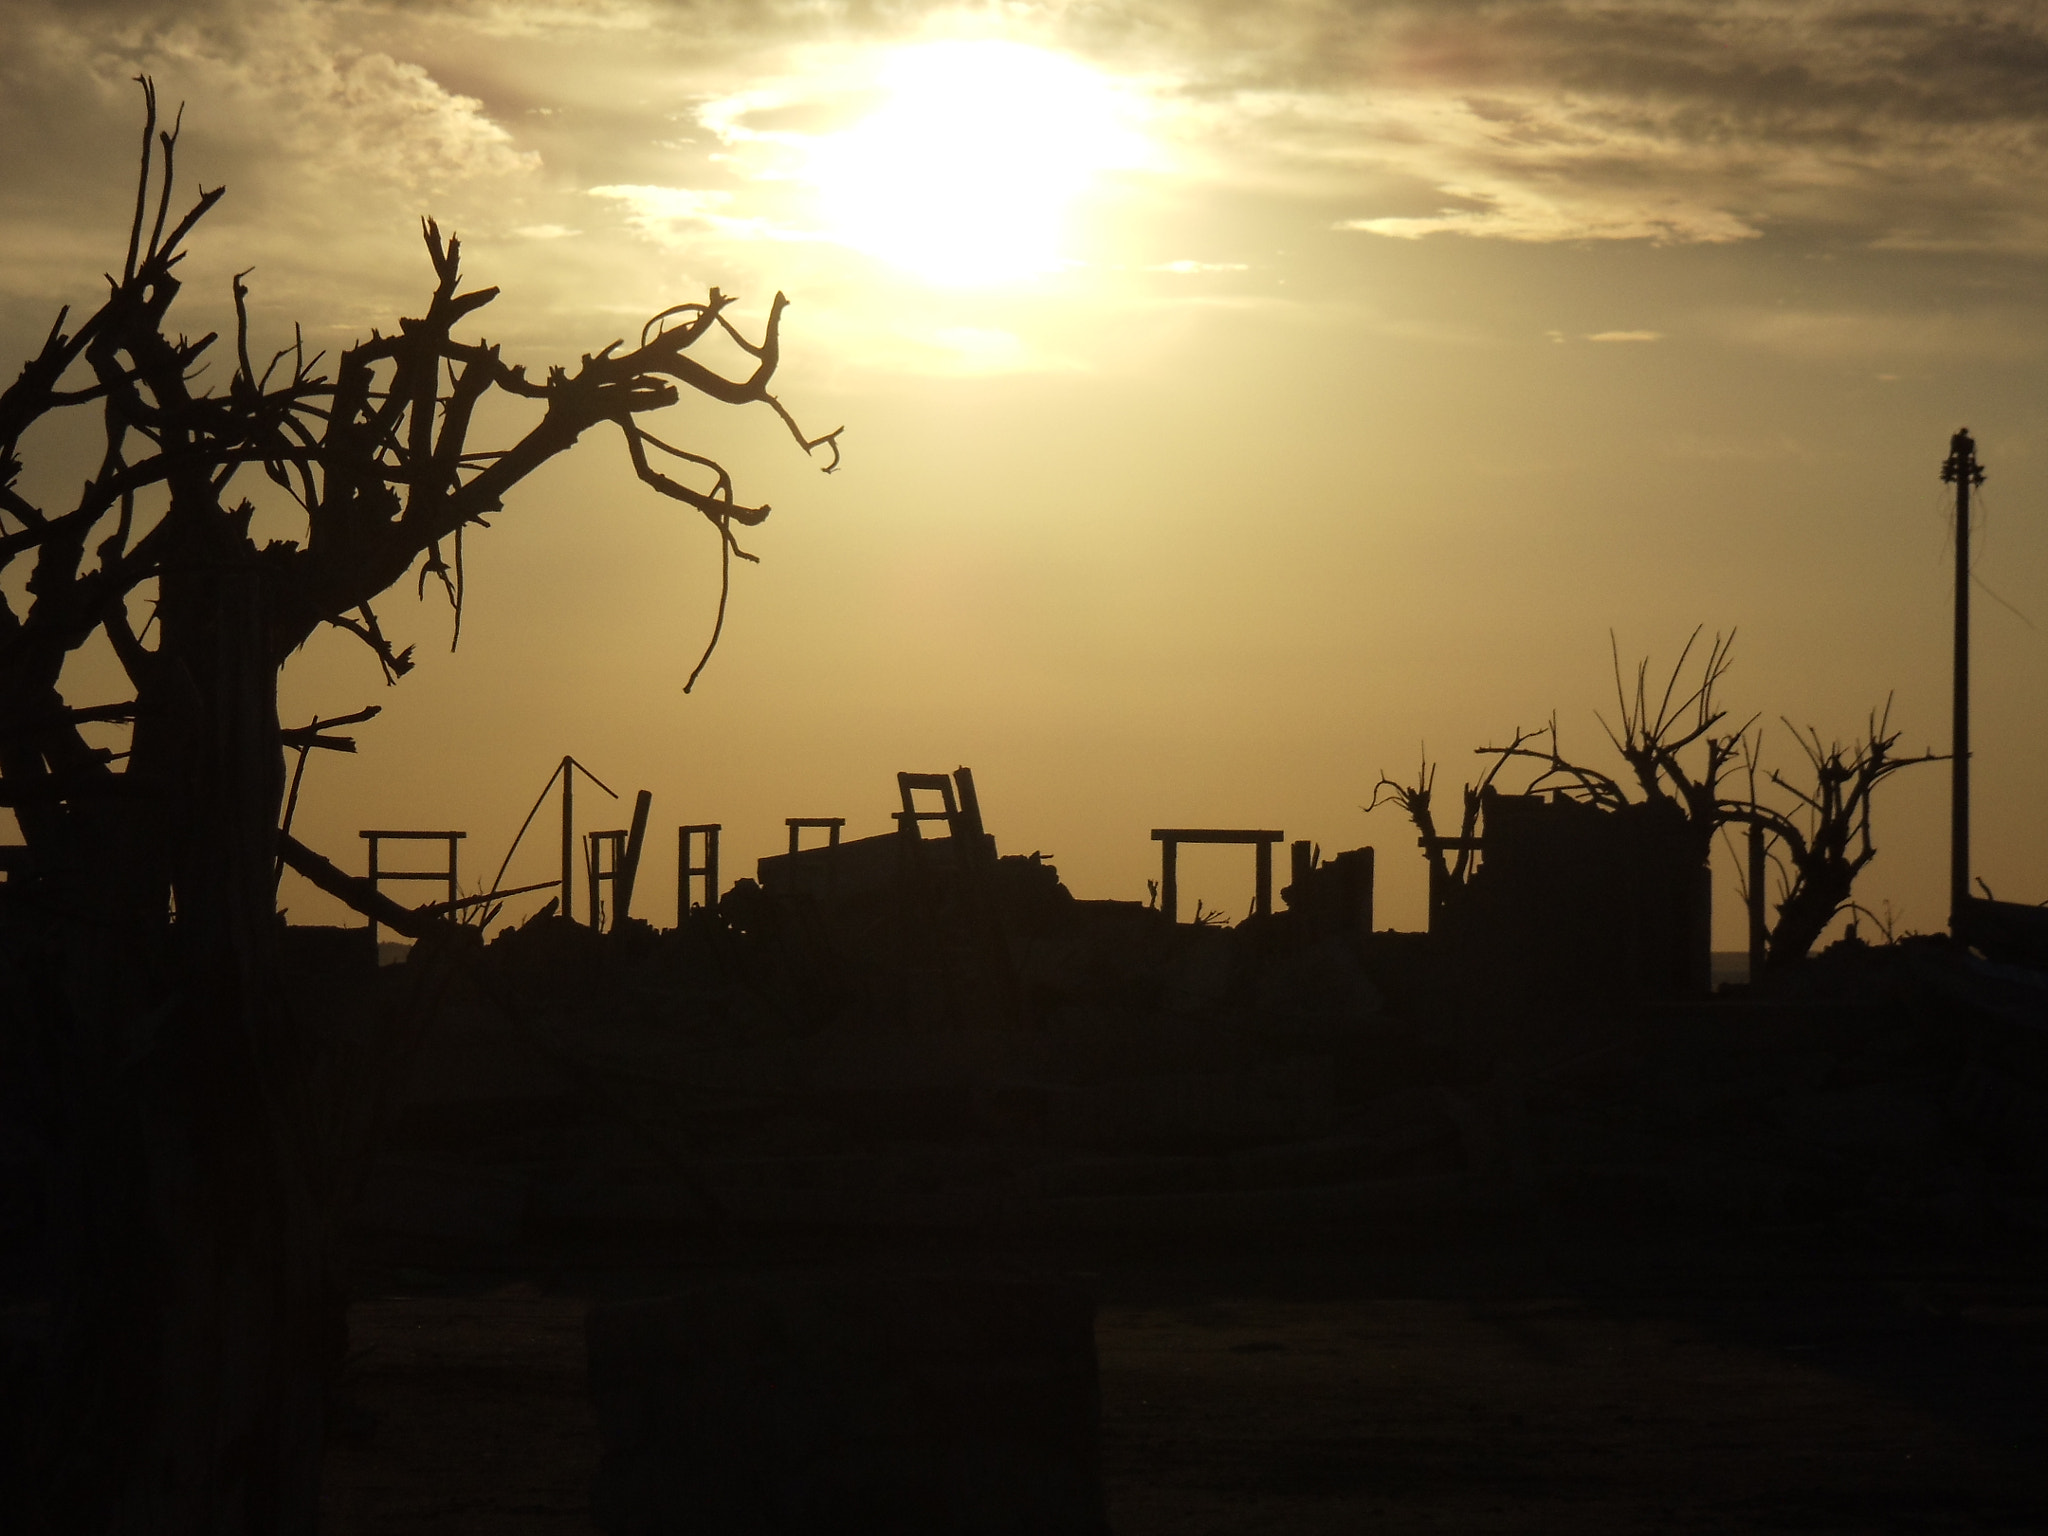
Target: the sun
(967, 170)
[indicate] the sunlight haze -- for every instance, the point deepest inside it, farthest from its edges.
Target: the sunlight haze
(965, 170)
(1239, 401)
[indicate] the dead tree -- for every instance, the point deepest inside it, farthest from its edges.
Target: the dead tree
(1652, 742)
(1678, 753)
(198, 1322)
(1825, 843)
(1446, 874)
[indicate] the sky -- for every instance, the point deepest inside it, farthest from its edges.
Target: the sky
(1240, 401)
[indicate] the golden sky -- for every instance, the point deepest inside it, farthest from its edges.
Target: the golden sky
(1238, 397)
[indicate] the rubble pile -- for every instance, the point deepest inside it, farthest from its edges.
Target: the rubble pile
(1885, 1093)
(1005, 1060)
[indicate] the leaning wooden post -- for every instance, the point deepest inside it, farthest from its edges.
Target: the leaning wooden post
(568, 837)
(628, 872)
(1169, 879)
(1759, 928)
(375, 887)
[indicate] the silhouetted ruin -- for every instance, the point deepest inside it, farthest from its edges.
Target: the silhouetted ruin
(1573, 902)
(1632, 896)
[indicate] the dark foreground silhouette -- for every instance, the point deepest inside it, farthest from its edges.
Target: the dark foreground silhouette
(1492, 1387)
(1368, 1239)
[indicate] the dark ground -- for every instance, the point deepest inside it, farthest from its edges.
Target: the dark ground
(1452, 1386)
(1767, 1263)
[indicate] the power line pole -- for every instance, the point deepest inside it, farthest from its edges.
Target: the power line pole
(1961, 470)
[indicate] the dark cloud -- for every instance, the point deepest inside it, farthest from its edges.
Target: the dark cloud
(1875, 123)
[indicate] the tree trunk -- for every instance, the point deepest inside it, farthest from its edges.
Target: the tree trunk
(205, 1324)
(1806, 913)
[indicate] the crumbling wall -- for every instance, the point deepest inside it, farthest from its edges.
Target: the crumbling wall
(1573, 901)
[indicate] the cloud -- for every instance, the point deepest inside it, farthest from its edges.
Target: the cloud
(1920, 124)
(681, 217)
(371, 114)
(330, 144)
(1996, 332)
(661, 212)
(1523, 218)
(291, 80)
(1626, 336)
(1530, 170)
(1919, 127)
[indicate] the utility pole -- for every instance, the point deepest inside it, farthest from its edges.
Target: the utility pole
(1961, 470)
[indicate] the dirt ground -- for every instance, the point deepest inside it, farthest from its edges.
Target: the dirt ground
(1687, 1390)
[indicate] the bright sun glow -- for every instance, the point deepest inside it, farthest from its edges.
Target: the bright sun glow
(966, 172)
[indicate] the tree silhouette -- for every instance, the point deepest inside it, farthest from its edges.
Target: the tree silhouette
(1678, 752)
(1824, 842)
(138, 932)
